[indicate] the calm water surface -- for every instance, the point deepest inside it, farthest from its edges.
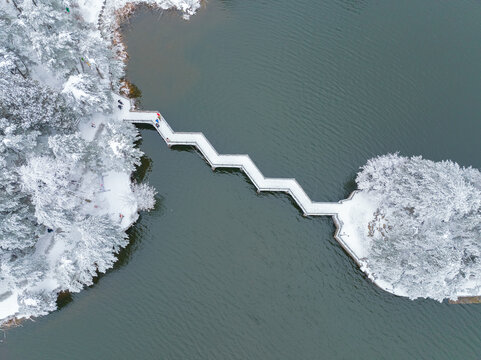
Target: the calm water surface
(310, 89)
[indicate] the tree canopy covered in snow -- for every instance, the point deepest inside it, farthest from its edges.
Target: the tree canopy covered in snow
(425, 237)
(66, 157)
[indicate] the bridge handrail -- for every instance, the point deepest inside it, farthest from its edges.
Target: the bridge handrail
(243, 161)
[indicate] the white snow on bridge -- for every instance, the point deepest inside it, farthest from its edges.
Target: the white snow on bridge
(355, 212)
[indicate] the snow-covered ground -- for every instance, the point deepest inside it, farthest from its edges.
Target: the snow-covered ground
(354, 217)
(92, 9)
(114, 195)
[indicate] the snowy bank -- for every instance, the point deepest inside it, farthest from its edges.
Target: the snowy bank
(66, 156)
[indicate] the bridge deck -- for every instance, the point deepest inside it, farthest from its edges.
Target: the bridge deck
(349, 242)
(243, 162)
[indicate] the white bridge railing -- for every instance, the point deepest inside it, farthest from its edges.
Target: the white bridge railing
(243, 162)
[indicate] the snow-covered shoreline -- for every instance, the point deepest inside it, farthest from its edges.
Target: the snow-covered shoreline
(351, 233)
(78, 176)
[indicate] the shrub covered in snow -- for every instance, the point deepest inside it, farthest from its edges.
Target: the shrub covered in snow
(144, 194)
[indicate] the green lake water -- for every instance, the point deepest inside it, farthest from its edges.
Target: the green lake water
(309, 89)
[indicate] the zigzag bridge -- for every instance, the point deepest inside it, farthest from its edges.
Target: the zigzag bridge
(245, 163)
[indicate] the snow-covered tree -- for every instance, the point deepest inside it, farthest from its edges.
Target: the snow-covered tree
(145, 195)
(116, 144)
(425, 237)
(92, 242)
